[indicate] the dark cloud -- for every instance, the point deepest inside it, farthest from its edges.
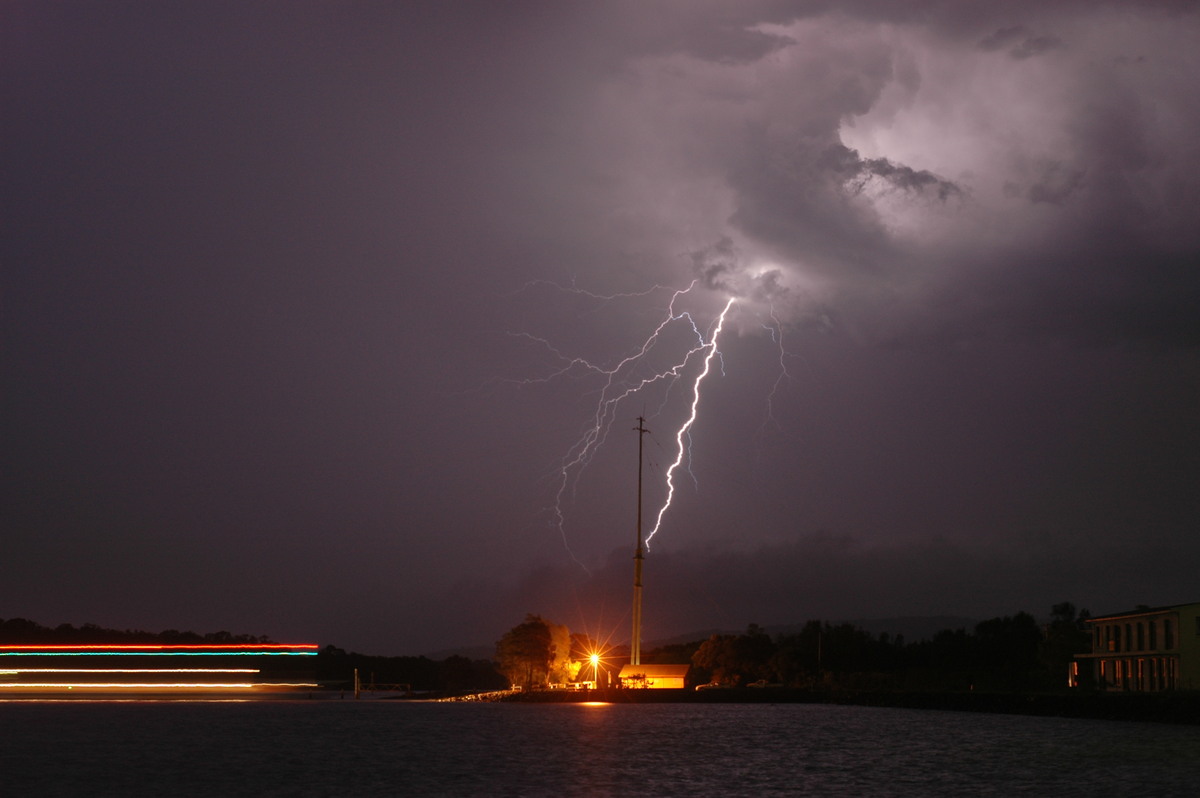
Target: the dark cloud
(1020, 42)
(1055, 184)
(1034, 46)
(856, 173)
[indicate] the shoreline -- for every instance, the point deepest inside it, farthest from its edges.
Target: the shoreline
(1171, 708)
(1177, 708)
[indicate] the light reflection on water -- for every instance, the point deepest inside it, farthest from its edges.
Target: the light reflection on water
(391, 748)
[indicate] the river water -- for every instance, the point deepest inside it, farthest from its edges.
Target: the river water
(368, 748)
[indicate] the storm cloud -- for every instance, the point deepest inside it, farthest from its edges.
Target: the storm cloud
(305, 307)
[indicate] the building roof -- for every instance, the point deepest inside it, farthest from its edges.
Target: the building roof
(654, 671)
(1140, 611)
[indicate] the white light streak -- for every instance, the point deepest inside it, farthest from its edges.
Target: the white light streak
(687, 425)
(649, 372)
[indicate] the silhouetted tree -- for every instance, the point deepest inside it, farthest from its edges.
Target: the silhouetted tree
(752, 654)
(526, 652)
(714, 659)
(735, 659)
(796, 660)
(20, 630)
(559, 671)
(1065, 637)
(1007, 652)
(672, 653)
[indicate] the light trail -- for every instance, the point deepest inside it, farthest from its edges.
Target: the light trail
(152, 685)
(224, 647)
(54, 675)
(128, 670)
(158, 653)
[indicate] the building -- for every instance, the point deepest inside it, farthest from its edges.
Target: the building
(1149, 649)
(654, 677)
(148, 669)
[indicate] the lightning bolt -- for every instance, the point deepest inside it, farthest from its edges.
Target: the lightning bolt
(631, 374)
(775, 328)
(685, 430)
(617, 386)
(574, 289)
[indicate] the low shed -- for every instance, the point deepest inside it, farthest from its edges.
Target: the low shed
(660, 677)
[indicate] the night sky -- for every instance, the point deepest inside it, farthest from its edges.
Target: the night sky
(307, 306)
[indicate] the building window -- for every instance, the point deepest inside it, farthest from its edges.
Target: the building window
(1114, 644)
(1168, 634)
(1141, 636)
(1129, 637)
(1153, 635)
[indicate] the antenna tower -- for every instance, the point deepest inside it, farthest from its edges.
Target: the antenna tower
(635, 645)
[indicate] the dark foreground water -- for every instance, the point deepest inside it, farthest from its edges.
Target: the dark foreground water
(348, 748)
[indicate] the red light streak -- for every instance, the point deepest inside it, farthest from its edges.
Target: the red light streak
(152, 685)
(152, 647)
(142, 679)
(130, 670)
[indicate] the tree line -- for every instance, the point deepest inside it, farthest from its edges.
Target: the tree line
(452, 675)
(20, 631)
(1005, 653)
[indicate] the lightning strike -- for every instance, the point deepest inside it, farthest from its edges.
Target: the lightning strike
(776, 329)
(574, 289)
(616, 387)
(647, 372)
(685, 430)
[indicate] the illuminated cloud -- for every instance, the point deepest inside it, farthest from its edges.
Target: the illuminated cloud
(720, 267)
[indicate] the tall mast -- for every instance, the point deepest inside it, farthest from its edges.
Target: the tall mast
(635, 646)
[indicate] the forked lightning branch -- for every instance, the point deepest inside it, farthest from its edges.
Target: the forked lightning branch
(631, 378)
